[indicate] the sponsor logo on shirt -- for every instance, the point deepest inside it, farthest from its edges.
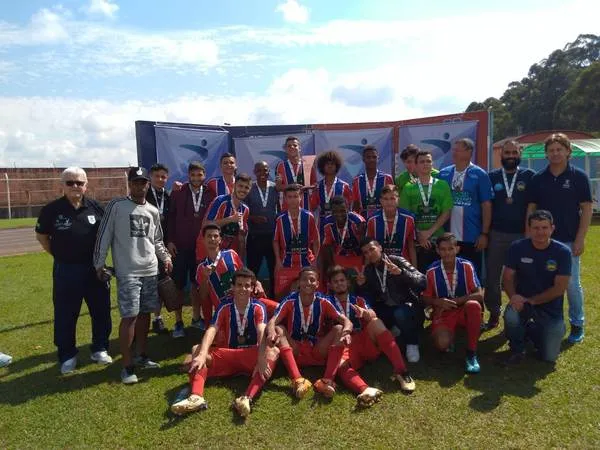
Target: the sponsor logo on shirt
(498, 187)
(62, 223)
(521, 186)
(551, 265)
(526, 260)
(567, 184)
(139, 226)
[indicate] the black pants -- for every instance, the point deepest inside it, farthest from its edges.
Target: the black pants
(259, 246)
(468, 251)
(407, 317)
(73, 283)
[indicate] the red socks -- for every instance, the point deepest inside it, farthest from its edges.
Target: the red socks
(197, 380)
(387, 344)
(256, 383)
(287, 356)
(334, 358)
(473, 319)
(351, 379)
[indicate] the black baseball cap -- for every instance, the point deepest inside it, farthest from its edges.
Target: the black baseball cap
(137, 173)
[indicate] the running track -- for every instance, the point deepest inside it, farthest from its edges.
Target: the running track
(17, 241)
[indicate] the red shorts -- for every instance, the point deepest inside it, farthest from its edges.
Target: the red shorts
(284, 278)
(449, 320)
(362, 349)
(307, 354)
(233, 361)
(270, 305)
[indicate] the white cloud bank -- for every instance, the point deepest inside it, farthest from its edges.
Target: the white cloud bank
(104, 8)
(293, 11)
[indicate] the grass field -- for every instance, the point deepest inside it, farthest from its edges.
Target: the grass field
(27, 222)
(533, 405)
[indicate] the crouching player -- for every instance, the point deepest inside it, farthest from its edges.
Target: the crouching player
(233, 344)
(370, 338)
(455, 294)
(301, 329)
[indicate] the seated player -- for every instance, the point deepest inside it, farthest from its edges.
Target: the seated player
(393, 227)
(301, 329)
(296, 242)
(214, 274)
(223, 185)
(455, 294)
(366, 187)
(328, 164)
(233, 344)
(370, 338)
(342, 233)
(231, 214)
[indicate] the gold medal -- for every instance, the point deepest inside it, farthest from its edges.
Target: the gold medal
(509, 200)
(241, 340)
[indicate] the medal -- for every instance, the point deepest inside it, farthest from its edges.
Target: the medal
(305, 323)
(509, 188)
(326, 196)
(239, 209)
(426, 209)
(382, 280)
(196, 199)
(160, 205)
(296, 172)
(458, 180)
(371, 187)
(241, 323)
(342, 237)
(264, 199)
(451, 289)
(509, 200)
(426, 198)
(387, 235)
(339, 304)
(241, 340)
(212, 266)
(295, 233)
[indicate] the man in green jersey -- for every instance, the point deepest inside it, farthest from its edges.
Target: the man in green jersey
(408, 157)
(430, 200)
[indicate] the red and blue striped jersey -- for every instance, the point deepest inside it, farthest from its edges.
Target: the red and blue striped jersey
(287, 177)
(222, 207)
(467, 281)
(219, 186)
(219, 281)
(317, 198)
(295, 247)
(332, 235)
(369, 205)
(344, 309)
(323, 315)
(227, 328)
(396, 243)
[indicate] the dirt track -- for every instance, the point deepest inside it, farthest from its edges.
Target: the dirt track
(17, 241)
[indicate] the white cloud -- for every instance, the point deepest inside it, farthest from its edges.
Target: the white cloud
(293, 11)
(104, 8)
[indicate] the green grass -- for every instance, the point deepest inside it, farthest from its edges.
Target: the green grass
(528, 406)
(25, 222)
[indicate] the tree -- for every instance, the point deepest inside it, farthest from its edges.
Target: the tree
(579, 108)
(503, 122)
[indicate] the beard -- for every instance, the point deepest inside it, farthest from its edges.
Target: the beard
(510, 163)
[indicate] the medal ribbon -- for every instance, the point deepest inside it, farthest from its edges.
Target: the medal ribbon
(161, 205)
(424, 197)
(451, 289)
(339, 304)
(196, 199)
(509, 189)
(243, 323)
(296, 172)
(264, 198)
(305, 323)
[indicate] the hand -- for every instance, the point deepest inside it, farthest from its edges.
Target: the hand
(360, 278)
(177, 185)
(172, 249)
(391, 267)
(168, 266)
(346, 339)
(423, 237)
(364, 314)
(578, 247)
(197, 363)
(272, 337)
(233, 218)
(207, 271)
(259, 290)
(445, 304)
(482, 242)
(517, 302)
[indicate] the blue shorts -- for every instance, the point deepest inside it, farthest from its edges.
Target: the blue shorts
(137, 295)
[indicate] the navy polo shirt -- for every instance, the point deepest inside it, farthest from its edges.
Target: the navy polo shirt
(72, 231)
(535, 271)
(561, 196)
(256, 207)
(510, 217)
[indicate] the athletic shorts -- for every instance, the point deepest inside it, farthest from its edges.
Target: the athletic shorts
(284, 278)
(233, 361)
(184, 268)
(362, 349)
(137, 295)
(308, 355)
(449, 320)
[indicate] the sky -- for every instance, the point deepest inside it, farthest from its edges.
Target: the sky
(76, 75)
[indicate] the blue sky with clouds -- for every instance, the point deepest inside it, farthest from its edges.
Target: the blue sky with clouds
(76, 74)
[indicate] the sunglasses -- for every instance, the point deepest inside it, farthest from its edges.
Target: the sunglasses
(72, 183)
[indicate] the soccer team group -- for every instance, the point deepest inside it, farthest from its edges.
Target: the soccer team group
(354, 270)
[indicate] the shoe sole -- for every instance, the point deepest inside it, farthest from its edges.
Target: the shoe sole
(368, 401)
(102, 363)
(182, 410)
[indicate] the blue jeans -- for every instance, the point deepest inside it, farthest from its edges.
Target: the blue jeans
(575, 292)
(407, 317)
(545, 331)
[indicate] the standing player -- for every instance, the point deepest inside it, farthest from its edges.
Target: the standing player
(231, 215)
(296, 241)
(409, 159)
(366, 187)
(188, 206)
(233, 344)
(393, 227)
(370, 338)
(292, 172)
(430, 200)
(454, 292)
(223, 185)
(301, 330)
(471, 215)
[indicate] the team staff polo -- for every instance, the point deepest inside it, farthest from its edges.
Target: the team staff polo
(509, 211)
(535, 271)
(72, 232)
(238, 332)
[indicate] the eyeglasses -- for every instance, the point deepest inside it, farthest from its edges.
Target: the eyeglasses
(72, 183)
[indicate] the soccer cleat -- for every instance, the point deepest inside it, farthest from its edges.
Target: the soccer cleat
(412, 353)
(101, 357)
(158, 325)
(145, 363)
(301, 386)
(407, 384)
(198, 324)
(178, 331)
(5, 359)
(242, 405)
(187, 405)
(471, 364)
(68, 366)
(128, 376)
(369, 397)
(576, 335)
(325, 387)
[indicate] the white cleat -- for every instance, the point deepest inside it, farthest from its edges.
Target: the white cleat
(192, 403)
(369, 397)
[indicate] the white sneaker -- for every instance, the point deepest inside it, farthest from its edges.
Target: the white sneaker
(412, 353)
(68, 366)
(101, 357)
(192, 403)
(5, 359)
(242, 405)
(128, 378)
(369, 397)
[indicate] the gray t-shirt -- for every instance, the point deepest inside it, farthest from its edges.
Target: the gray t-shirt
(254, 202)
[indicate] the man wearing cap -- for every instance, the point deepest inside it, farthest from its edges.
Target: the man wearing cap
(67, 230)
(131, 228)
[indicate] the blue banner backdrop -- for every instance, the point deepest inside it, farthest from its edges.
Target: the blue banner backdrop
(350, 144)
(438, 138)
(250, 150)
(176, 147)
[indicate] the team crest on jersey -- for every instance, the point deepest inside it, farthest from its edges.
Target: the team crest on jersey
(521, 186)
(567, 184)
(92, 219)
(551, 265)
(498, 187)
